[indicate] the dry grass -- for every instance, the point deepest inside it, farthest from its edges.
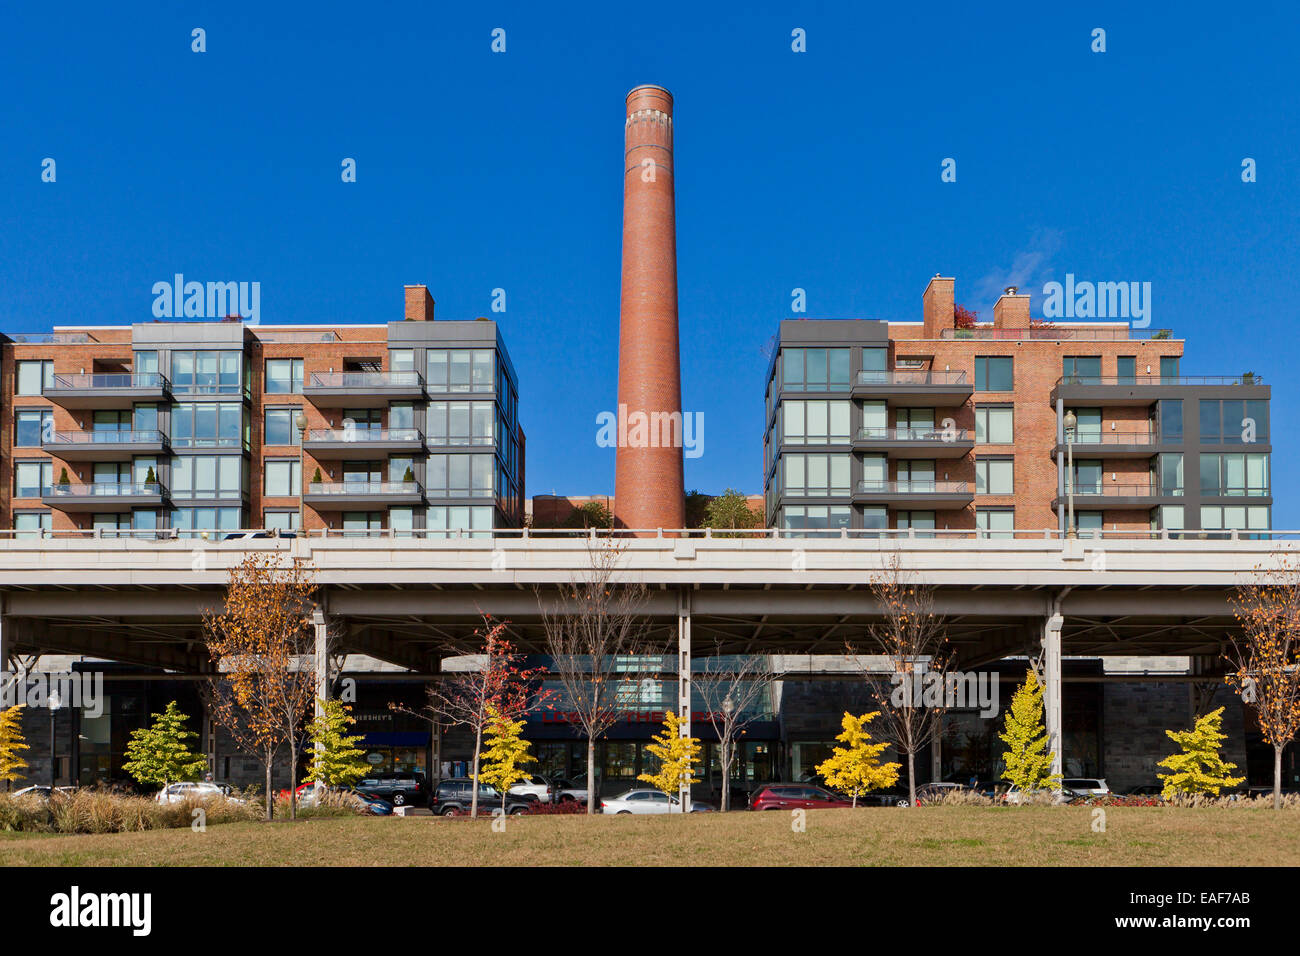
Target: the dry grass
(938, 836)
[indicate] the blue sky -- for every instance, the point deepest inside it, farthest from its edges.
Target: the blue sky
(817, 170)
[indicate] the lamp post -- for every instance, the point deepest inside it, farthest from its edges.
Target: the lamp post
(1070, 421)
(54, 703)
(300, 422)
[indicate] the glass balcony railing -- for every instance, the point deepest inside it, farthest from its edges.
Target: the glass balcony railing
(366, 380)
(1101, 437)
(345, 435)
(1058, 333)
(347, 488)
(109, 436)
(922, 434)
(911, 376)
(108, 489)
(1103, 489)
(914, 487)
(1250, 379)
(115, 380)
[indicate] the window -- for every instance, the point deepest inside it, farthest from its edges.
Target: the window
(875, 472)
(1082, 368)
(815, 422)
(1235, 517)
(279, 427)
(401, 360)
(816, 517)
(459, 476)
(917, 521)
(282, 477)
(875, 419)
(1234, 475)
(993, 476)
(460, 370)
(33, 376)
(108, 525)
(189, 521)
(1168, 367)
(995, 522)
(993, 424)
(1168, 518)
(1233, 422)
(875, 518)
(445, 522)
(208, 372)
(1126, 369)
(207, 425)
(207, 476)
(280, 520)
(32, 426)
(1170, 468)
(1089, 521)
(31, 524)
(33, 478)
(402, 521)
(874, 364)
(816, 370)
(816, 476)
(916, 476)
(993, 373)
(283, 376)
(1170, 413)
(1088, 477)
(462, 423)
(1087, 425)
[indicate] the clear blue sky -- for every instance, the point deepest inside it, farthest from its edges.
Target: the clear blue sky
(817, 170)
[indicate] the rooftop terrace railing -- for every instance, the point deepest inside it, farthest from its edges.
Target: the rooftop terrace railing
(1250, 379)
(911, 377)
(1058, 333)
(52, 338)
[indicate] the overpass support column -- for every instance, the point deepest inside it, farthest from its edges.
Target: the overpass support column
(321, 659)
(435, 735)
(684, 680)
(1052, 684)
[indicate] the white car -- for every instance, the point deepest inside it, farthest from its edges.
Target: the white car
(535, 786)
(1087, 786)
(567, 790)
(200, 790)
(1015, 796)
(648, 801)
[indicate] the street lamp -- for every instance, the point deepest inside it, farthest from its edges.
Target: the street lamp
(54, 703)
(300, 422)
(1069, 422)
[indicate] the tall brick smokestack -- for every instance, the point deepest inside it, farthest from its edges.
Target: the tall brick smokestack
(648, 484)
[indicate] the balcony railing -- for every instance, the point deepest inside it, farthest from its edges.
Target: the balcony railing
(52, 338)
(911, 377)
(113, 380)
(1058, 333)
(112, 436)
(108, 489)
(1099, 437)
(914, 487)
(366, 380)
(348, 488)
(926, 434)
(346, 435)
(1160, 380)
(1104, 489)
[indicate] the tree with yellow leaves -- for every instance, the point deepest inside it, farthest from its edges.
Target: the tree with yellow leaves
(506, 751)
(1199, 769)
(11, 741)
(677, 755)
(1027, 761)
(855, 768)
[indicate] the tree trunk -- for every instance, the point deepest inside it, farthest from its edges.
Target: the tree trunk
(1277, 776)
(473, 800)
(726, 777)
(911, 778)
(270, 805)
(293, 780)
(591, 776)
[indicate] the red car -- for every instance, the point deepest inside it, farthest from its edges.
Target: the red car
(793, 796)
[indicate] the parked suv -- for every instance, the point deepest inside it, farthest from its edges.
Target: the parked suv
(454, 798)
(398, 788)
(789, 796)
(1087, 786)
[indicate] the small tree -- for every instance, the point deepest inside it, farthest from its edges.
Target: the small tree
(591, 514)
(1199, 769)
(964, 318)
(11, 741)
(408, 476)
(1027, 761)
(731, 690)
(677, 757)
(150, 478)
(731, 510)
(336, 760)
(64, 480)
(855, 768)
(316, 477)
(161, 753)
(506, 752)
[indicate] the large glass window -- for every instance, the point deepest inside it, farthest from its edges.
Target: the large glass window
(816, 517)
(279, 428)
(207, 424)
(1126, 369)
(282, 477)
(207, 372)
(816, 476)
(32, 425)
(460, 370)
(446, 521)
(32, 376)
(815, 422)
(1171, 474)
(993, 476)
(1088, 477)
(815, 370)
(459, 476)
(1238, 517)
(875, 419)
(190, 521)
(461, 423)
(993, 424)
(280, 520)
(33, 478)
(207, 476)
(1168, 367)
(995, 522)
(1233, 421)
(1088, 425)
(1082, 368)
(1170, 413)
(31, 524)
(283, 376)
(994, 373)
(1232, 475)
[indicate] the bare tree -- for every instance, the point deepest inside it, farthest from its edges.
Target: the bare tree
(1265, 656)
(911, 638)
(731, 689)
(599, 640)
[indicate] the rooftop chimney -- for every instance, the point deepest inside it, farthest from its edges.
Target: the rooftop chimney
(649, 489)
(419, 304)
(937, 304)
(1011, 311)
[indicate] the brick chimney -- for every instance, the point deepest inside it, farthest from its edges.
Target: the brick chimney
(649, 487)
(1011, 310)
(419, 304)
(937, 304)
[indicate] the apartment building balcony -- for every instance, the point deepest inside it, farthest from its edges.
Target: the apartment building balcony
(1105, 494)
(363, 389)
(108, 496)
(342, 444)
(113, 390)
(341, 495)
(914, 387)
(915, 494)
(118, 444)
(926, 443)
(1142, 390)
(1134, 443)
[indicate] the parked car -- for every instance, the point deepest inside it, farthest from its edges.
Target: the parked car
(271, 533)
(937, 790)
(1087, 786)
(43, 792)
(1015, 796)
(539, 788)
(454, 797)
(649, 801)
(567, 791)
(195, 790)
(1146, 790)
(398, 787)
(791, 796)
(372, 805)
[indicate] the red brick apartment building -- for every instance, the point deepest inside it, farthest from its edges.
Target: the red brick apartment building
(201, 425)
(929, 426)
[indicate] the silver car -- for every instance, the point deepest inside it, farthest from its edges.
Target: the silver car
(200, 790)
(648, 801)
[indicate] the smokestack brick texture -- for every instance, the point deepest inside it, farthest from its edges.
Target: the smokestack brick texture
(937, 305)
(649, 485)
(419, 304)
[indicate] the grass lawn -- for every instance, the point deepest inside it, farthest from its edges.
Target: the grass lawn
(932, 836)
